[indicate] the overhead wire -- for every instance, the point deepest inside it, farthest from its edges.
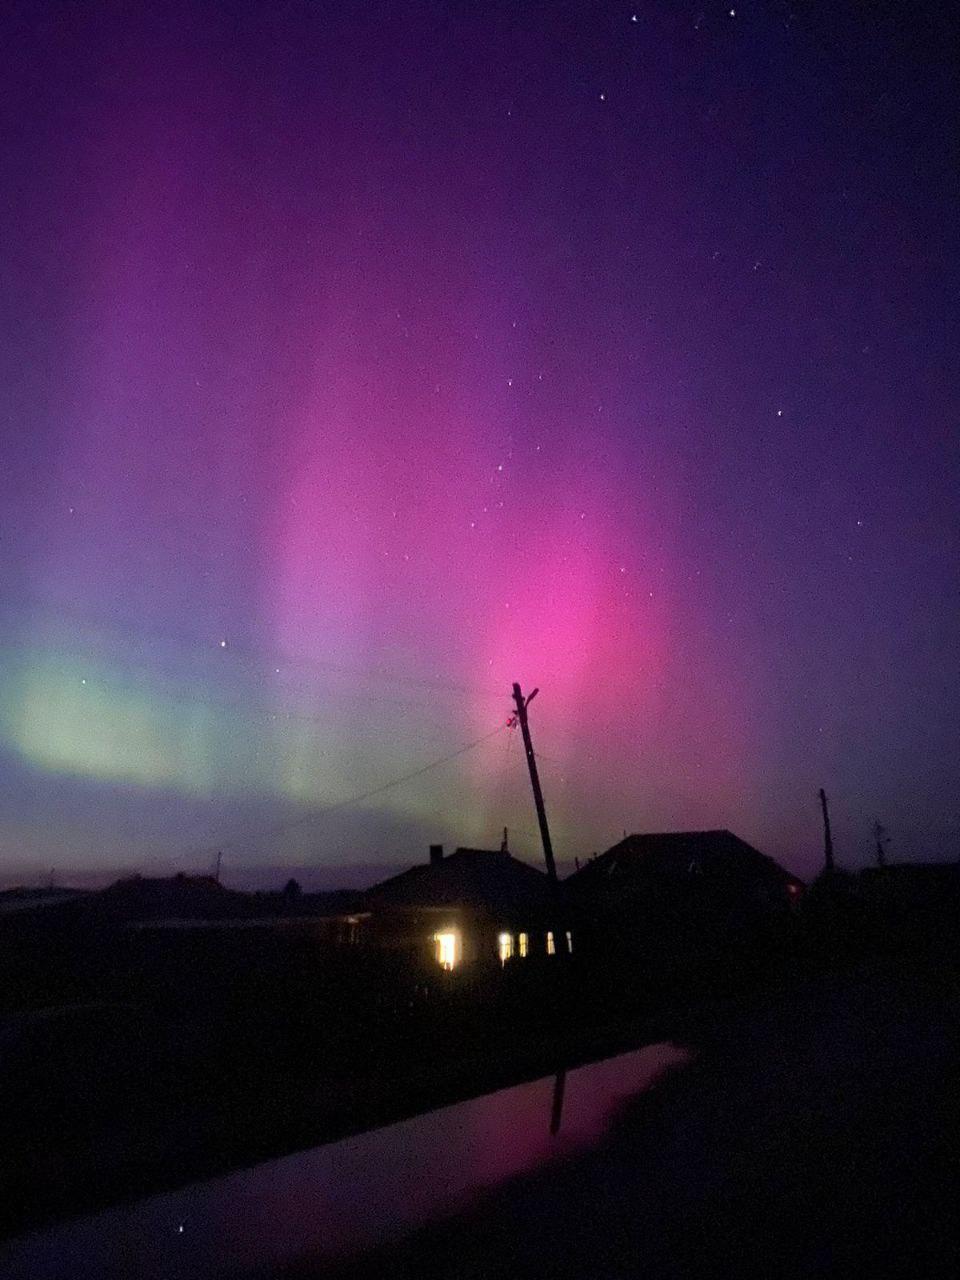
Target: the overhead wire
(281, 828)
(258, 655)
(177, 698)
(263, 654)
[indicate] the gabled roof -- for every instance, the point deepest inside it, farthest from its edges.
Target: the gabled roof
(468, 877)
(679, 853)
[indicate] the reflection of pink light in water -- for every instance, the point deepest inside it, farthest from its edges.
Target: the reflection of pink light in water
(350, 1196)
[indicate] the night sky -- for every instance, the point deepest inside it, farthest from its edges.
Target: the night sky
(358, 360)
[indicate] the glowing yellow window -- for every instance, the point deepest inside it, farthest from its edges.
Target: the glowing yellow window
(524, 942)
(551, 949)
(505, 946)
(569, 941)
(446, 949)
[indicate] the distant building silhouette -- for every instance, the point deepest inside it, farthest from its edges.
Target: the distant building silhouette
(921, 895)
(182, 902)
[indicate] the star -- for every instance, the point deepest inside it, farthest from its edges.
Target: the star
(223, 644)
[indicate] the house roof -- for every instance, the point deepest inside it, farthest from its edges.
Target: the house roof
(916, 883)
(679, 853)
(183, 897)
(467, 877)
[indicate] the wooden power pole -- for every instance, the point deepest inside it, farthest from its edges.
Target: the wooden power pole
(880, 839)
(522, 704)
(827, 839)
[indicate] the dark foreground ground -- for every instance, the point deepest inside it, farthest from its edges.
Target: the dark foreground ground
(106, 1105)
(816, 1135)
(133, 1061)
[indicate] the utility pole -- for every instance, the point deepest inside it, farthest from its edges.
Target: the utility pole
(827, 840)
(219, 861)
(880, 837)
(522, 704)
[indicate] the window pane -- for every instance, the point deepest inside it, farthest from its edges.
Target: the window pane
(446, 949)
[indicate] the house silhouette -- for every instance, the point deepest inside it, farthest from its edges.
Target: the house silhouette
(679, 889)
(474, 905)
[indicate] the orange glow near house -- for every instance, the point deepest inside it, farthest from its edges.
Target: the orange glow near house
(446, 949)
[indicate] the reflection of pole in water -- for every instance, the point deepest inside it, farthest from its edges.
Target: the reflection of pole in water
(556, 1111)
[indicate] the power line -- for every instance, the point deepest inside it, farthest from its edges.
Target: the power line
(125, 629)
(282, 827)
(172, 697)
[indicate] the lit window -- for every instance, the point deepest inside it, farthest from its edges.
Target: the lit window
(551, 949)
(446, 949)
(569, 941)
(523, 944)
(505, 946)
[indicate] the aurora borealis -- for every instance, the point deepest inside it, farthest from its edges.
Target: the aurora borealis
(360, 360)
